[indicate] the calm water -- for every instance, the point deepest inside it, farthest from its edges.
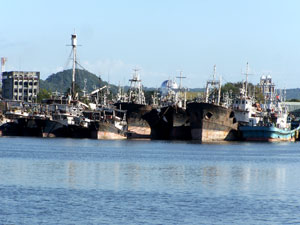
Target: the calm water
(66, 181)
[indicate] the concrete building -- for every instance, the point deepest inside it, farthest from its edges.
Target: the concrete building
(20, 85)
(267, 87)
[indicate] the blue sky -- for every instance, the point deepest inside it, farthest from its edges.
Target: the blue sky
(158, 37)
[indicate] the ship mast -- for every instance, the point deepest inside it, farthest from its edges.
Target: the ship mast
(180, 89)
(215, 85)
(180, 79)
(74, 45)
(246, 86)
(136, 93)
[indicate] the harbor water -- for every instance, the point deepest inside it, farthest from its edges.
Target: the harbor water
(81, 181)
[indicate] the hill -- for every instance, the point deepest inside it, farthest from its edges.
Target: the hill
(61, 81)
(293, 93)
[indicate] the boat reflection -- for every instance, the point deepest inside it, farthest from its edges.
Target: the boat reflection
(119, 176)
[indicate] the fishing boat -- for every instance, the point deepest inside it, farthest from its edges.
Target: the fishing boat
(135, 104)
(107, 123)
(169, 120)
(210, 121)
(272, 123)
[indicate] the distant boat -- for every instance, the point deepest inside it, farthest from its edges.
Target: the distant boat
(271, 122)
(169, 120)
(268, 133)
(135, 104)
(210, 121)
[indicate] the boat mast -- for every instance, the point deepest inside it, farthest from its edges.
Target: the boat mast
(212, 84)
(74, 45)
(246, 86)
(180, 89)
(180, 80)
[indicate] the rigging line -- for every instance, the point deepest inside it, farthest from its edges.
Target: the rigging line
(68, 60)
(81, 66)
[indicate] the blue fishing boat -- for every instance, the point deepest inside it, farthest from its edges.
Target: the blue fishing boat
(268, 133)
(269, 122)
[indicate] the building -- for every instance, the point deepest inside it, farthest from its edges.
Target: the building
(267, 87)
(20, 85)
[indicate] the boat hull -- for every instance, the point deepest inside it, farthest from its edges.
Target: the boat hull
(168, 123)
(211, 123)
(267, 134)
(104, 130)
(137, 126)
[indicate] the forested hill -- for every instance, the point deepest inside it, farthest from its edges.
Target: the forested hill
(293, 93)
(61, 81)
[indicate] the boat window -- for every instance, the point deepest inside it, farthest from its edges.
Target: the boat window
(243, 102)
(231, 114)
(208, 115)
(234, 120)
(237, 102)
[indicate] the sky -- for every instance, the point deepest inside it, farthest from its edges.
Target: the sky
(158, 37)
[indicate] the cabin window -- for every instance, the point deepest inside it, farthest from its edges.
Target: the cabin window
(243, 102)
(208, 115)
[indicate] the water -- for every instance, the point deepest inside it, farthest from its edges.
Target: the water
(67, 181)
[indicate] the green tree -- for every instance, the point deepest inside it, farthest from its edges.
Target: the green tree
(43, 94)
(294, 100)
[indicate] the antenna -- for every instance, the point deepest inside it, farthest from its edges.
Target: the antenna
(84, 89)
(247, 71)
(215, 73)
(247, 74)
(180, 79)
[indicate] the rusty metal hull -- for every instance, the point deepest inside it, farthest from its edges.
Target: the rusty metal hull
(210, 123)
(105, 130)
(137, 126)
(168, 123)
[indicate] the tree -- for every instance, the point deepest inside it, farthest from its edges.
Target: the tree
(43, 94)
